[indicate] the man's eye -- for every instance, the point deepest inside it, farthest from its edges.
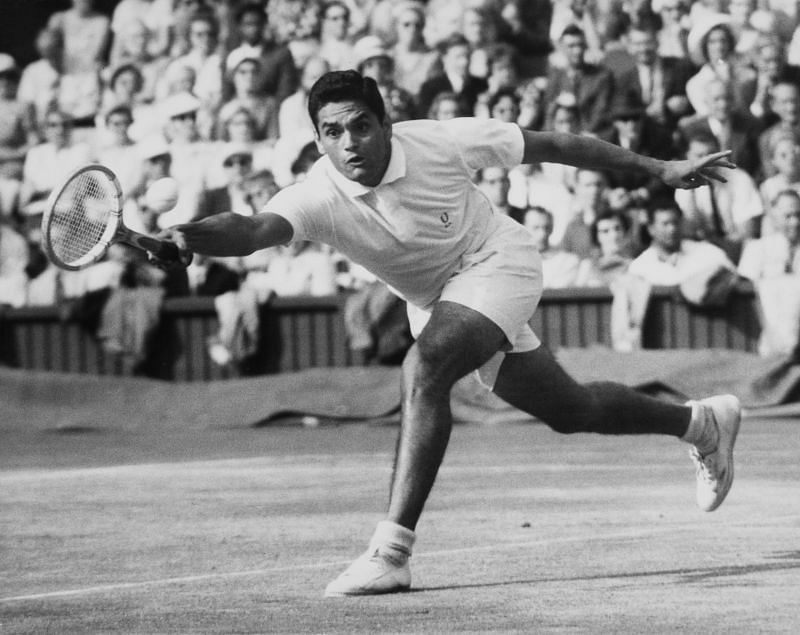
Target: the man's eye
(332, 133)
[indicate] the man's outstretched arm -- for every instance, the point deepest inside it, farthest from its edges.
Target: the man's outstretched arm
(588, 152)
(231, 234)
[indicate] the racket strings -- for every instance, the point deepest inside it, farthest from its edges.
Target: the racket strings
(81, 216)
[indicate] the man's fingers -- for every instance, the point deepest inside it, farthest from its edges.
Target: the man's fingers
(708, 173)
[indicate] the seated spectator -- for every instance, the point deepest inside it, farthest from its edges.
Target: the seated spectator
(118, 151)
(240, 128)
(778, 253)
(559, 267)
(591, 86)
(40, 80)
(772, 71)
(14, 257)
(293, 116)
(232, 197)
(674, 31)
(590, 198)
(786, 165)
(335, 45)
(494, 183)
(414, 61)
(532, 106)
(504, 105)
(633, 129)
(712, 44)
(454, 78)
(134, 49)
(48, 163)
(204, 59)
(670, 259)
(525, 26)
(733, 130)
(374, 60)
(86, 36)
(125, 89)
(612, 253)
(192, 156)
(785, 105)
(156, 15)
(17, 135)
(243, 71)
(446, 105)
(772, 263)
(277, 74)
(722, 213)
(655, 81)
(479, 27)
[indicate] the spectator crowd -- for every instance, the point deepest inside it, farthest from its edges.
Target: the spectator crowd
(212, 93)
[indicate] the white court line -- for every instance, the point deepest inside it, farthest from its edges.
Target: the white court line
(104, 588)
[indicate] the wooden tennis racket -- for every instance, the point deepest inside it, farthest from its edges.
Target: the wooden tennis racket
(83, 218)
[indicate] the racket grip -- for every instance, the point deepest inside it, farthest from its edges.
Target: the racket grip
(164, 250)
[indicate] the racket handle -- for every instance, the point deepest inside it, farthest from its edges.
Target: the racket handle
(164, 250)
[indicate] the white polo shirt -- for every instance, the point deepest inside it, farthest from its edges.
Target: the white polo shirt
(413, 228)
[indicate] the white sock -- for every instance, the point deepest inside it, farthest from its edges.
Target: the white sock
(702, 432)
(392, 539)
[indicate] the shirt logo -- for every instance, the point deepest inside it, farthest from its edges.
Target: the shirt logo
(445, 218)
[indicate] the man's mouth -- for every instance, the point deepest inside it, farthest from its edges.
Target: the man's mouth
(355, 161)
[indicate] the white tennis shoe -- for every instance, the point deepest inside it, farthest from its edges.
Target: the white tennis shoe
(714, 471)
(375, 571)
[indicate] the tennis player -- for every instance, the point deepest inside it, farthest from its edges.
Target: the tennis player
(399, 200)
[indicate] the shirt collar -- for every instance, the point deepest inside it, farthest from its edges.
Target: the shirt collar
(394, 171)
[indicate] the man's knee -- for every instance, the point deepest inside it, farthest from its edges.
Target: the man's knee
(427, 369)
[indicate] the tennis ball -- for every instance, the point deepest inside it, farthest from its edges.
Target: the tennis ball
(162, 195)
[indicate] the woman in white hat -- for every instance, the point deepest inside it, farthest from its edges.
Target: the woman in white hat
(712, 45)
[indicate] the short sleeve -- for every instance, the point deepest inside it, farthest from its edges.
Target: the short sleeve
(483, 143)
(306, 213)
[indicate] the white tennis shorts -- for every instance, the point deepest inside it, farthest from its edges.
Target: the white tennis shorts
(502, 281)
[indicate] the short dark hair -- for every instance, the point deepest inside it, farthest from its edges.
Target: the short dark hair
(347, 85)
(662, 205)
(574, 30)
(503, 92)
(451, 41)
(609, 214)
(728, 36)
(120, 109)
(251, 7)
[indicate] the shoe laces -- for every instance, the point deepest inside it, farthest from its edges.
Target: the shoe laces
(705, 466)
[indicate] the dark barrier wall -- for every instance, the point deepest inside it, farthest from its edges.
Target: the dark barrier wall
(304, 332)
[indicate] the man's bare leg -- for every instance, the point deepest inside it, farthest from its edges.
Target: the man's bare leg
(536, 383)
(456, 341)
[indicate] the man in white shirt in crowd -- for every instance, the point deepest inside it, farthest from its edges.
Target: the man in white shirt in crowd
(559, 267)
(671, 259)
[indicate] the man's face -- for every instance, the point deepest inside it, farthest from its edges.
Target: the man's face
(665, 230)
(786, 213)
(590, 188)
(495, 184)
(574, 47)
(610, 235)
(717, 45)
(785, 157)
(378, 68)
(251, 27)
(356, 142)
(719, 101)
(540, 226)
(769, 61)
(336, 22)
(785, 103)
(456, 60)
(643, 46)
(506, 109)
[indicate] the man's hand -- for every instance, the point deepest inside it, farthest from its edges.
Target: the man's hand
(693, 173)
(172, 234)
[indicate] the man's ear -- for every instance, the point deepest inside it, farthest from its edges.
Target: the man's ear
(318, 141)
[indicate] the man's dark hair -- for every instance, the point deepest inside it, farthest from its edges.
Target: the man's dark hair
(705, 137)
(250, 7)
(345, 86)
(662, 205)
(609, 214)
(573, 29)
(451, 41)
